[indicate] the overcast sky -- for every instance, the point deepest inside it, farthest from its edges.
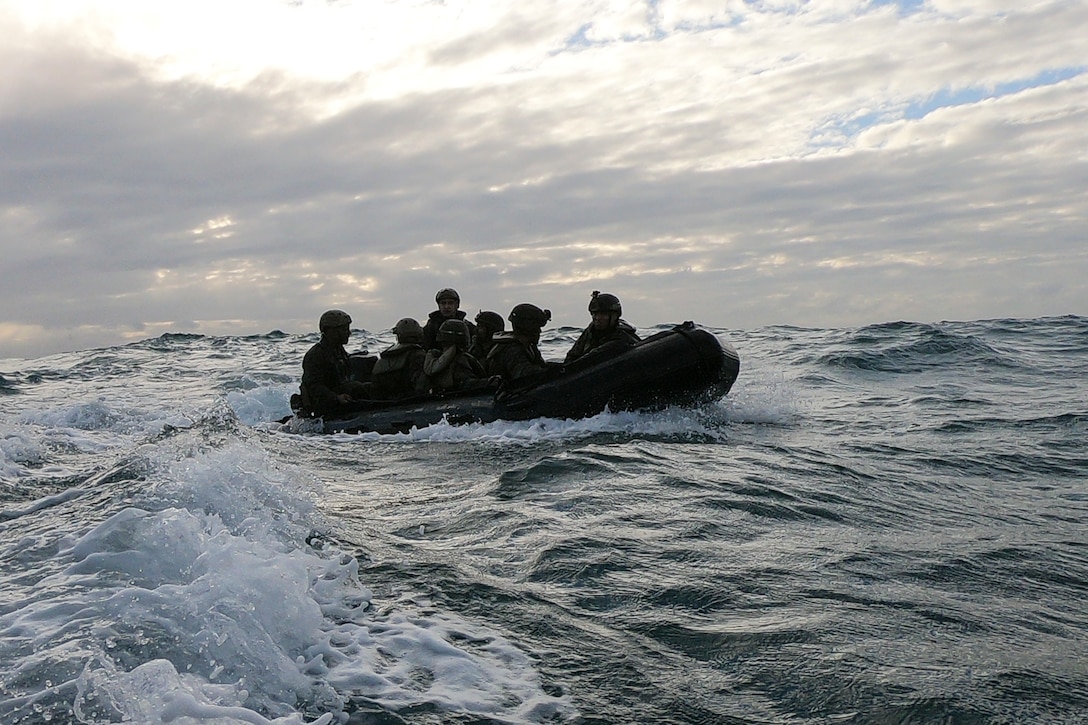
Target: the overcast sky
(238, 166)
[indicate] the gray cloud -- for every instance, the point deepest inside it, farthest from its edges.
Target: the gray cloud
(740, 174)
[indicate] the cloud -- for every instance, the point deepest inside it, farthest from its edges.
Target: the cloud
(821, 163)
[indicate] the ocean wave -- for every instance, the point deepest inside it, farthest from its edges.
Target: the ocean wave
(169, 551)
(209, 596)
(927, 347)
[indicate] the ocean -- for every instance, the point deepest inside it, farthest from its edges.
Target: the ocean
(884, 524)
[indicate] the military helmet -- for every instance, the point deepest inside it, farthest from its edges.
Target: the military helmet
(453, 332)
(407, 331)
(490, 320)
(333, 318)
(447, 293)
(605, 302)
(526, 315)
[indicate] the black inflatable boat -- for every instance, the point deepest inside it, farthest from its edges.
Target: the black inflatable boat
(682, 366)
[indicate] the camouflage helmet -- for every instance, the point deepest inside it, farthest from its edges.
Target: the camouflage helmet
(604, 302)
(527, 316)
(333, 318)
(453, 332)
(491, 321)
(407, 331)
(447, 293)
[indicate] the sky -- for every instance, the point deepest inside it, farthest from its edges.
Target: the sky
(234, 168)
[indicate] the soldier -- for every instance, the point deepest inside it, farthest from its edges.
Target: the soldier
(448, 365)
(515, 354)
(449, 303)
(326, 385)
(399, 370)
(606, 328)
(487, 324)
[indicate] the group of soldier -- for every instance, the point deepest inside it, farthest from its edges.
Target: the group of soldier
(448, 353)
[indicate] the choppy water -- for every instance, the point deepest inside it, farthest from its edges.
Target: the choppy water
(878, 525)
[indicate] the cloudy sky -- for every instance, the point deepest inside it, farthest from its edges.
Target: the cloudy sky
(239, 166)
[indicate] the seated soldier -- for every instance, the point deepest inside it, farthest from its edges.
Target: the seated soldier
(515, 354)
(448, 365)
(606, 331)
(487, 324)
(326, 387)
(398, 373)
(449, 303)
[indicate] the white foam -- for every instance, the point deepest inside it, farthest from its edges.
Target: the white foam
(262, 404)
(673, 422)
(99, 415)
(762, 396)
(202, 603)
(18, 450)
(419, 655)
(156, 692)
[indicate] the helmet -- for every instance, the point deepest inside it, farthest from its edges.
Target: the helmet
(605, 302)
(526, 315)
(453, 332)
(333, 318)
(490, 320)
(447, 293)
(408, 330)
